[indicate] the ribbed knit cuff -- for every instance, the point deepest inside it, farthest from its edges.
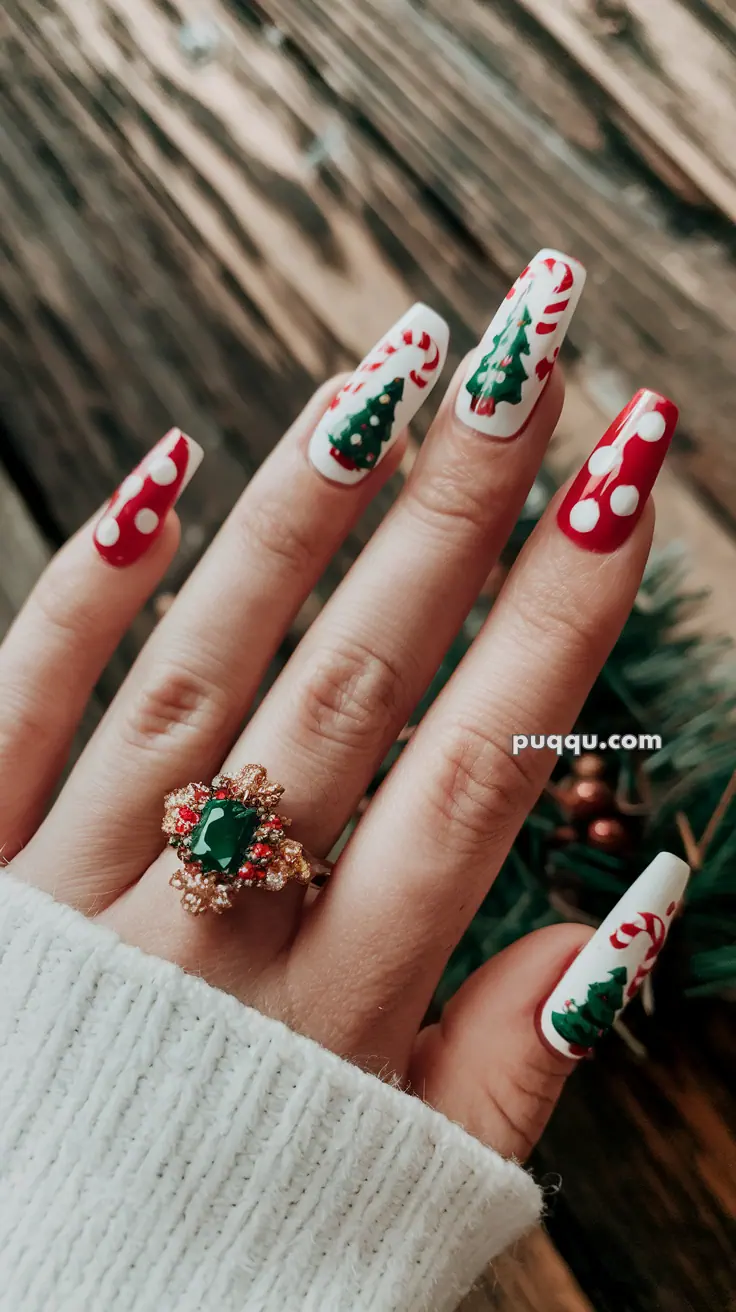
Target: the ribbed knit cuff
(164, 1148)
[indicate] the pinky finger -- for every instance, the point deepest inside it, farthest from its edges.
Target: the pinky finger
(70, 625)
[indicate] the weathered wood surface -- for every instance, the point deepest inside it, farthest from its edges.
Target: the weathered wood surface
(486, 107)
(202, 243)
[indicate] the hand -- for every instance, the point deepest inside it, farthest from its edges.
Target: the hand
(355, 965)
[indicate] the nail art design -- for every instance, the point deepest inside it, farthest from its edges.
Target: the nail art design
(608, 496)
(510, 369)
(381, 397)
(135, 514)
(612, 966)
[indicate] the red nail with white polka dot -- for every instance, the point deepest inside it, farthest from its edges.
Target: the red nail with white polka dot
(608, 497)
(135, 515)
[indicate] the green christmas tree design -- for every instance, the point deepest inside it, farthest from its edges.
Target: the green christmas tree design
(501, 373)
(583, 1025)
(358, 444)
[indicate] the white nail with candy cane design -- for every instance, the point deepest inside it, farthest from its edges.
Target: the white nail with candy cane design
(515, 357)
(381, 397)
(612, 966)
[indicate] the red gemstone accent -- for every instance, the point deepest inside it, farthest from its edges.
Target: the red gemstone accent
(261, 851)
(186, 813)
(273, 824)
(249, 871)
(222, 792)
(183, 827)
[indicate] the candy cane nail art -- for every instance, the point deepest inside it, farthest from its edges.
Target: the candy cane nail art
(609, 494)
(510, 369)
(381, 397)
(612, 966)
(135, 514)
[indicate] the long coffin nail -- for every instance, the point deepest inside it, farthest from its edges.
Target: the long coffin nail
(614, 963)
(135, 514)
(509, 371)
(381, 397)
(608, 497)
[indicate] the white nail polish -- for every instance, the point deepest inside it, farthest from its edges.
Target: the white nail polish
(614, 963)
(381, 397)
(514, 359)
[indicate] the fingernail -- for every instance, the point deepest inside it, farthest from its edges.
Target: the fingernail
(607, 499)
(135, 514)
(381, 397)
(612, 966)
(509, 371)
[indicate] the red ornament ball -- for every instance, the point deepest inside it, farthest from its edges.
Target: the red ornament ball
(609, 835)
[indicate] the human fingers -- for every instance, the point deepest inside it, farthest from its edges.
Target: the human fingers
(483, 1064)
(194, 682)
(358, 673)
(459, 794)
(66, 632)
(508, 1039)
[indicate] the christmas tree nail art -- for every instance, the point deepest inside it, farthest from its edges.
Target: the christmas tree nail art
(381, 397)
(135, 514)
(515, 358)
(612, 966)
(608, 497)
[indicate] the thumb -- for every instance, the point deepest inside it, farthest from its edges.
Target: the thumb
(484, 1065)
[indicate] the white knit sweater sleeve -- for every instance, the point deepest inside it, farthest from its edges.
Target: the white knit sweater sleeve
(165, 1149)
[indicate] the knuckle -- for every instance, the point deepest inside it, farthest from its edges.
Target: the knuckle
(478, 790)
(176, 702)
(555, 622)
(264, 528)
(64, 609)
(450, 498)
(353, 696)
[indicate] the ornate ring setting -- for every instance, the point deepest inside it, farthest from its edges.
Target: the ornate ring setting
(228, 835)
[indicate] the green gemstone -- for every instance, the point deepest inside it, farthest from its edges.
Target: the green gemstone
(223, 835)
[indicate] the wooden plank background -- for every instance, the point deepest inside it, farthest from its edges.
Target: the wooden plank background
(209, 207)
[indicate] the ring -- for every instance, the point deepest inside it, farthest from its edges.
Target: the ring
(228, 835)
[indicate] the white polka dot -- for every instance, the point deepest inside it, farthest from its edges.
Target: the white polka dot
(585, 515)
(374, 420)
(131, 486)
(163, 471)
(146, 521)
(651, 426)
(624, 499)
(107, 531)
(604, 460)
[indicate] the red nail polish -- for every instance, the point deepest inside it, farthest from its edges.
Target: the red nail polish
(608, 496)
(135, 515)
